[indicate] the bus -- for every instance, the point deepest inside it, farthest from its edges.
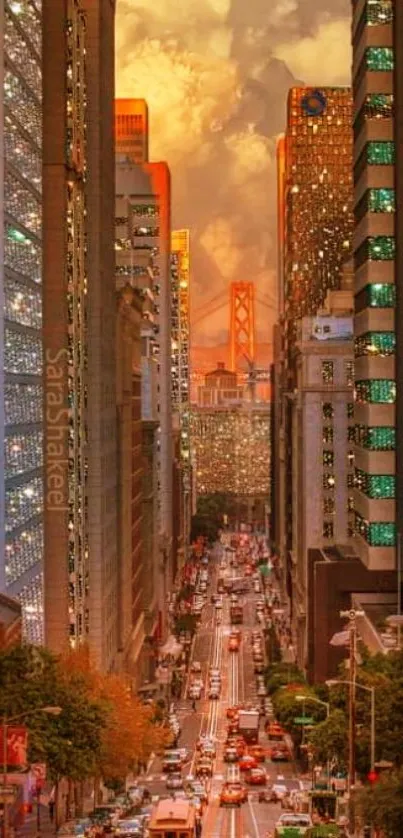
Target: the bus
(173, 819)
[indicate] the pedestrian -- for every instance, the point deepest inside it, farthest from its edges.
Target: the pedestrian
(51, 807)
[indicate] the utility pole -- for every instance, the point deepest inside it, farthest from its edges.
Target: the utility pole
(352, 615)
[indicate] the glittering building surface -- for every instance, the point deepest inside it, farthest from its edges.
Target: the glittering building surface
(318, 196)
(81, 569)
(223, 462)
(180, 335)
(375, 159)
(22, 526)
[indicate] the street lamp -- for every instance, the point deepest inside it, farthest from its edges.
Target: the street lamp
(327, 707)
(51, 711)
(334, 682)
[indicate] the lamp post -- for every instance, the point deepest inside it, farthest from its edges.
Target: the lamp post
(6, 722)
(371, 690)
(326, 705)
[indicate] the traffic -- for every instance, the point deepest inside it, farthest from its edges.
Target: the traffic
(229, 770)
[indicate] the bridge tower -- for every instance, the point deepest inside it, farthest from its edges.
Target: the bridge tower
(242, 324)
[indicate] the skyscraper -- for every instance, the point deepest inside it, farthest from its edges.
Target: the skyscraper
(79, 328)
(21, 521)
(378, 269)
(131, 129)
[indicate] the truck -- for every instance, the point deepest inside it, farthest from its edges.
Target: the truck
(236, 615)
(248, 726)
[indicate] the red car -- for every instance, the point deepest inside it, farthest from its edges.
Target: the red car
(233, 645)
(247, 763)
(257, 777)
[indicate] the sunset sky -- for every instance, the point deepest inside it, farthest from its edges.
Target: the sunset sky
(215, 74)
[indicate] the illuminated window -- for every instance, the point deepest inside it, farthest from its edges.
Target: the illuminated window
(349, 368)
(379, 59)
(328, 435)
(328, 529)
(350, 504)
(328, 506)
(381, 295)
(375, 343)
(380, 153)
(378, 12)
(377, 438)
(381, 200)
(328, 458)
(376, 391)
(328, 481)
(350, 458)
(376, 533)
(350, 410)
(375, 249)
(327, 410)
(327, 372)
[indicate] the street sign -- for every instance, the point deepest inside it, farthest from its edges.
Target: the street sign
(303, 720)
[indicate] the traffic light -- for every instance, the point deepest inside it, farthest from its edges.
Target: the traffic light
(372, 777)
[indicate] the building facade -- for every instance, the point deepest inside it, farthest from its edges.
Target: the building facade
(315, 226)
(322, 439)
(143, 240)
(376, 161)
(22, 492)
(80, 454)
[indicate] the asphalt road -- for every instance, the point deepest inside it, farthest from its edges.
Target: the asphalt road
(252, 819)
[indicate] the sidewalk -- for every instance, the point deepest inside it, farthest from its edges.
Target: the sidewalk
(29, 828)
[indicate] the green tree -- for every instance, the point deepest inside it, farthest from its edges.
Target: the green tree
(282, 674)
(381, 805)
(329, 738)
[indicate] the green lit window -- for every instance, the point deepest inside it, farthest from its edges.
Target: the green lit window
(375, 486)
(379, 59)
(376, 391)
(380, 439)
(381, 200)
(381, 295)
(381, 153)
(376, 533)
(378, 12)
(375, 343)
(327, 410)
(381, 248)
(328, 458)
(379, 106)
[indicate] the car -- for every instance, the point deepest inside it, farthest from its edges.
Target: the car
(214, 672)
(231, 795)
(257, 752)
(199, 790)
(130, 828)
(247, 763)
(233, 645)
(209, 751)
(196, 667)
(215, 682)
(204, 768)
(297, 822)
(197, 681)
(203, 740)
(240, 788)
(232, 711)
(230, 754)
(174, 781)
(256, 777)
(280, 754)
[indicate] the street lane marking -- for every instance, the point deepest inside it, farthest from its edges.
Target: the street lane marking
(254, 821)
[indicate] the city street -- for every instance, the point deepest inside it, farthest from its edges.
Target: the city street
(252, 819)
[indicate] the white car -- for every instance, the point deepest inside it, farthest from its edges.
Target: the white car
(174, 781)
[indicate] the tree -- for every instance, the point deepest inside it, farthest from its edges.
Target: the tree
(281, 674)
(329, 738)
(31, 678)
(381, 805)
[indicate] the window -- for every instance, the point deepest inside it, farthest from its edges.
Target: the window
(375, 343)
(328, 506)
(350, 481)
(328, 458)
(351, 433)
(350, 458)
(327, 410)
(375, 486)
(350, 504)
(381, 200)
(381, 153)
(377, 438)
(379, 59)
(375, 249)
(349, 368)
(378, 12)
(376, 533)
(328, 481)
(376, 391)
(328, 435)
(328, 529)
(327, 372)
(350, 410)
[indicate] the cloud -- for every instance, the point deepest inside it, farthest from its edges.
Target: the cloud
(321, 58)
(216, 74)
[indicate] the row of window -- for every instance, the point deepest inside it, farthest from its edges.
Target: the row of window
(328, 369)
